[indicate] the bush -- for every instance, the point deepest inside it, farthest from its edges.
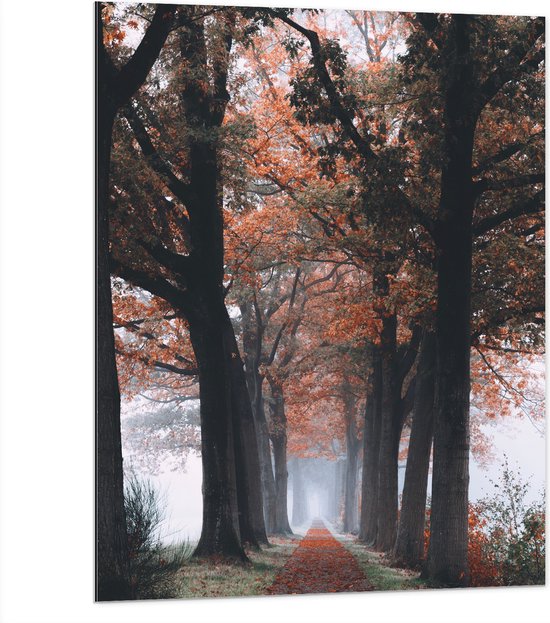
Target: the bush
(152, 565)
(483, 566)
(515, 531)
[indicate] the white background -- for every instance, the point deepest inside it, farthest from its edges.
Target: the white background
(46, 349)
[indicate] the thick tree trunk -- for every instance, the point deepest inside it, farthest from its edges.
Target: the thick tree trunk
(386, 530)
(371, 452)
(208, 328)
(351, 509)
(220, 525)
(230, 464)
(281, 485)
(249, 487)
(299, 501)
(279, 440)
(409, 547)
(448, 550)
(254, 381)
(112, 545)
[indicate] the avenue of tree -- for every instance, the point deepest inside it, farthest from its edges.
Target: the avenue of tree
(328, 228)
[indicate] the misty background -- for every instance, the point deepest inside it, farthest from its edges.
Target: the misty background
(516, 438)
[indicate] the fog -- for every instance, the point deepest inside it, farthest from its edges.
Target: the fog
(516, 438)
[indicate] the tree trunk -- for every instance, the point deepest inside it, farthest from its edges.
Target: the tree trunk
(208, 328)
(254, 381)
(220, 525)
(299, 501)
(448, 550)
(351, 519)
(281, 485)
(249, 487)
(358, 479)
(340, 493)
(371, 452)
(409, 547)
(279, 440)
(228, 475)
(266, 465)
(112, 544)
(386, 530)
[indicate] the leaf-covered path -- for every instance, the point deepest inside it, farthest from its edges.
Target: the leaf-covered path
(320, 564)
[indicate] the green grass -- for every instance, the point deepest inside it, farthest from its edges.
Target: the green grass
(154, 572)
(383, 577)
(198, 578)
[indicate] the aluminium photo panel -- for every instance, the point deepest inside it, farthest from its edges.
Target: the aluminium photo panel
(319, 301)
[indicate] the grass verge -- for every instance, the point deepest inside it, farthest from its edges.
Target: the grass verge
(377, 570)
(198, 578)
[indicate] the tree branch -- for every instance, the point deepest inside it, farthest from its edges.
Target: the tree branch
(533, 205)
(180, 189)
(175, 369)
(133, 74)
(487, 184)
(175, 262)
(409, 354)
(126, 81)
(505, 153)
(139, 321)
(155, 285)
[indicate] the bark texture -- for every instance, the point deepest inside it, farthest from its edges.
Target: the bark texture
(409, 547)
(252, 347)
(249, 486)
(390, 432)
(220, 521)
(448, 550)
(371, 451)
(279, 442)
(112, 546)
(353, 445)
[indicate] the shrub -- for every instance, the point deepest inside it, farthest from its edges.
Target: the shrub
(152, 565)
(515, 530)
(483, 566)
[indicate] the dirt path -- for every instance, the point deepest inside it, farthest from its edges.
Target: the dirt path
(320, 564)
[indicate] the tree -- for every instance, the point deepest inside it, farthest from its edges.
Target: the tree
(409, 545)
(186, 242)
(115, 88)
(465, 93)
